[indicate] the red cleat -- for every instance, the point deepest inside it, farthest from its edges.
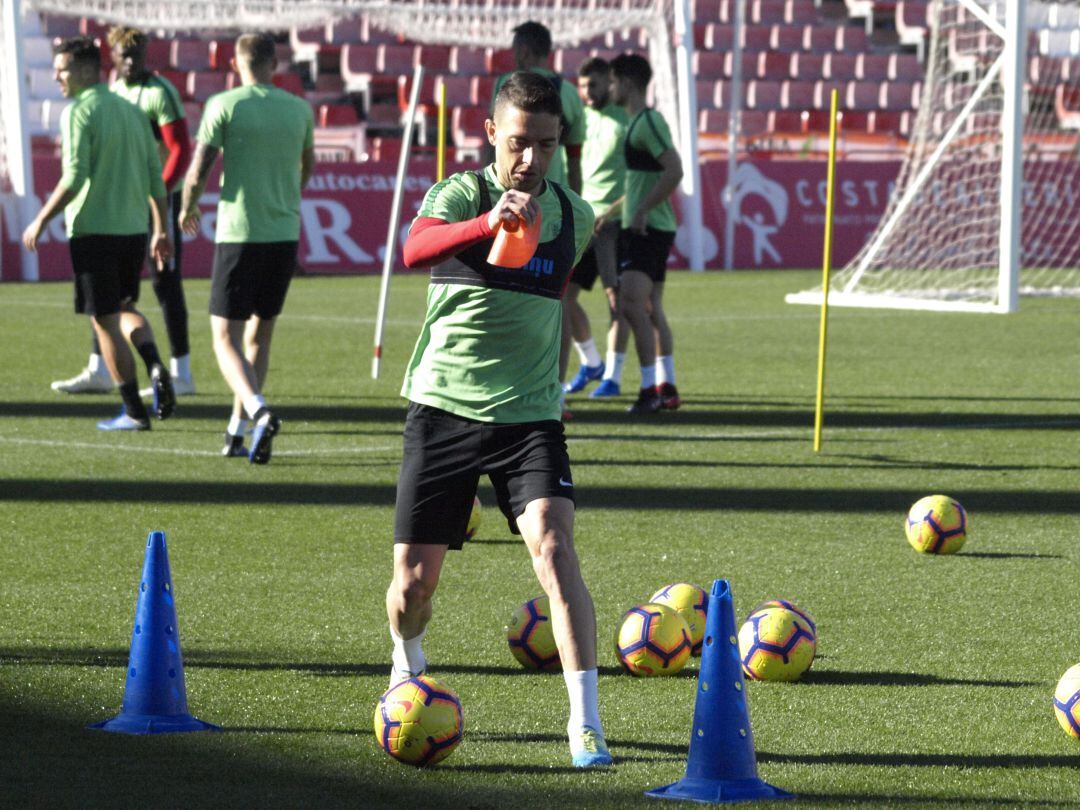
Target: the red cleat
(669, 397)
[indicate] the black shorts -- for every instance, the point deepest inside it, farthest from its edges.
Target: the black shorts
(107, 271)
(445, 455)
(647, 253)
(251, 278)
(600, 259)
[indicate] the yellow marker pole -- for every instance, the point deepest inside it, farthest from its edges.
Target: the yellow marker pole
(826, 264)
(440, 145)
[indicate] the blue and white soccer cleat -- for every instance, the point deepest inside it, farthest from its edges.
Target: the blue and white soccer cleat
(592, 751)
(123, 422)
(262, 438)
(606, 388)
(585, 375)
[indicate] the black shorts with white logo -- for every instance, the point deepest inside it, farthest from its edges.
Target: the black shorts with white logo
(647, 253)
(107, 269)
(445, 455)
(251, 278)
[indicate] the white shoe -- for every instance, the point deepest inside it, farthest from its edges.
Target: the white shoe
(399, 675)
(86, 382)
(182, 387)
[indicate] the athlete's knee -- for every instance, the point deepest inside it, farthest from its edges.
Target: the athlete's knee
(413, 590)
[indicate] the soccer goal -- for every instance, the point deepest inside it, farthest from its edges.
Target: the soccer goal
(986, 203)
(660, 27)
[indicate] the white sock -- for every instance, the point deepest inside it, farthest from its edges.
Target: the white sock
(408, 653)
(181, 367)
(588, 353)
(613, 368)
(648, 376)
(237, 425)
(96, 364)
(665, 369)
(584, 708)
(253, 403)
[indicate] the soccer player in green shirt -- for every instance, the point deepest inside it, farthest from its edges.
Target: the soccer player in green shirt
(267, 138)
(653, 172)
(111, 170)
(484, 394)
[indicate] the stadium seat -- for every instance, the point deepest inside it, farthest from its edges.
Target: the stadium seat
(178, 79)
(703, 36)
(787, 38)
(706, 10)
(816, 121)
(201, 84)
(93, 29)
(190, 54)
(395, 60)
(158, 54)
(912, 23)
(873, 67)
(797, 95)
(459, 90)
(341, 32)
(568, 60)
(800, 12)
(373, 34)
(756, 38)
(434, 58)
(822, 38)
(383, 116)
(467, 129)
(1067, 106)
(483, 88)
(51, 110)
(54, 25)
(1070, 70)
(774, 66)
(427, 91)
(763, 95)
(712, 121)
(753, 122)
(807, 66)
(722, 96)
(708, 64)
(855, 121)
(786, 121)
(851, 38)
(290, 82)
(467, 61)
(905, 67)
(221, 53)
(887, 122)
(337, 115)
(307, 43)
(861, 10)
(193, 114)
(329, 89)
(37, 52)
(35, 117)
(384, 150)
(860, 96)
(899, 96)
(500, 60)
(839, 67)
(749, 65)
(823, 91)
(766, 12)
(705, 90)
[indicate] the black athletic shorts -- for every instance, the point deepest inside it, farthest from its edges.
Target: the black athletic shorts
(107, 271)
(647, 253)
(599, 260)
(251, 278)
(445, 455)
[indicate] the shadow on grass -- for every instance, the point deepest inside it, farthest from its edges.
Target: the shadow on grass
(888, 799)
(768, 499)
(926, 760)
(842, 678)
(828, 462)
(92, 406)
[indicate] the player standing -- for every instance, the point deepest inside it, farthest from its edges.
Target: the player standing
(110, 171)
(653, 172)
(267, 137)
(484, 394)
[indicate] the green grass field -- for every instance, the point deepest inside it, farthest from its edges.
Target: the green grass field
(933, 682)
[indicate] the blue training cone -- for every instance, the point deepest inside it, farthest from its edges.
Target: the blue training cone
(155, 698)
(721, 766)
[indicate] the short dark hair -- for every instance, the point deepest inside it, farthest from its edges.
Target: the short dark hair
(258, 49)
(529, 92)
(634, 67)
(534, 36)
(83, 50)
(593, 65)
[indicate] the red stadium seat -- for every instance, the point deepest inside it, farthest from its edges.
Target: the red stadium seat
(221, 53)
(912, 22)
(786, 121)
(899, 96)
(202, 84)
(178, 79)
(568, 60)
(787, 38)
(290, 82)
(158, 53)
(757, 38)
(384, 150)
(816, 121)
(822, 38)
(467, 127)
(1067, 106)
(337, 115)
(193, 114)
(190, 54)
(468, 61)
(712, 121)
(766, 12)
(434, 58)
(459, 90)
(763, 95)
(887, 122)
(500, 61)
(851, 39)
(839, 67)
(426, 100)
(823, 92)
(384, 117)
(855, 120)
(873, 66)
(800, 12)
(861, 96)
(774, 66)
(341, 32)
(753, 122)
(905, 67)
(329, 89)
(396, 60)
(709, 64)
(749, 65)
(807, 66)
(706, 10)
(483, 90)
(720, 38)
(705, 90)
(797, 95)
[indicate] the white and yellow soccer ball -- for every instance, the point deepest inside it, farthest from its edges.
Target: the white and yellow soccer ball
(530, 636)
(419, 721)
(1067, 701)
(937, 524)
(652, 640)
(776, 644)
(689, 601)
(473, 525)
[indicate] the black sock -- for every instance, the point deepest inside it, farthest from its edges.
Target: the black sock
(133, 404)
(149, 353)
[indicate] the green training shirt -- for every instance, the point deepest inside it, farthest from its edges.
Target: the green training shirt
(262, 132)
(573, 112)
(491, 354)
(648, 133)
(158, 98)
(603, 165)
(110, 159)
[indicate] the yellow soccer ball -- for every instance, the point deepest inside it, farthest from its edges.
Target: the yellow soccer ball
(937, 524)
(776, 644)
(690, 602)
(418, 721)
(530, 636)
(1067, 701)
(652, 640)
(474, 519)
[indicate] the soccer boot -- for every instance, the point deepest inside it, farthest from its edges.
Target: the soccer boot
(648, 402)
(399, 675)
(162, 389)
(590, 750)
(182, 387)
(669, 396)
(262, 438)
(585, 375)
(86, 382)
(606, 388)
(124, 422)
(234, 447)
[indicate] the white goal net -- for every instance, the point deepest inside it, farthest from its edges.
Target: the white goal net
(941, 244)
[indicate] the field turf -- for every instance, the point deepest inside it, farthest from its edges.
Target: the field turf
(934, 678)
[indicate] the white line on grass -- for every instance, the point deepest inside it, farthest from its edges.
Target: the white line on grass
(177, 451)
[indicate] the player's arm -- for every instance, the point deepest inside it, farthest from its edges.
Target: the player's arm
(194, 183)
(671, 175)
(59, 198)
(573, 167)
(174, 136)
(307, 166)
(611, 213)
(161, 247)
(75, 171)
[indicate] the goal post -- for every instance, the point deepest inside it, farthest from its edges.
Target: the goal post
(986, 203)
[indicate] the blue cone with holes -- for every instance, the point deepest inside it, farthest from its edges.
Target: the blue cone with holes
(155, 698)
(721, 766)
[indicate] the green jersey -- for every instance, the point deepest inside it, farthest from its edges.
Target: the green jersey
(647, 137)
(158, 98)
(603, 165)
(110, 160)
(262, 132)
(489, 346)
(573, 116)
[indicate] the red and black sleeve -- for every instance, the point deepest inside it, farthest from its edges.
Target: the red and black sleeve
(175, 137)
(433, 240)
